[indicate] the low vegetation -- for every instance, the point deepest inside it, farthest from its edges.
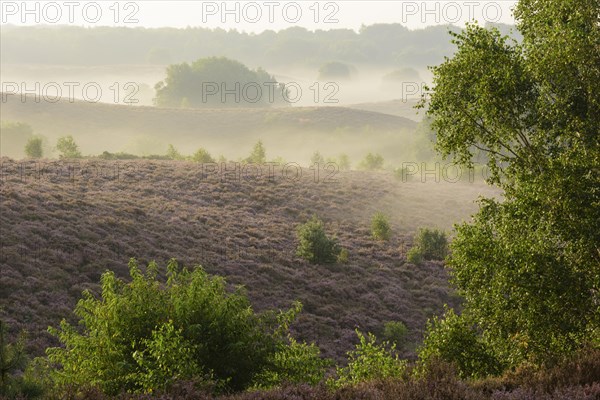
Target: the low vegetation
(143, 336)
(524, 322)
(429, 244)
(371, 162)
(34, 147)
(314, 245)
(380, 227)
(67, 148)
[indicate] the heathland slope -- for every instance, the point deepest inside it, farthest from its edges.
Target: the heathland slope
(63, 224)
(290, 132)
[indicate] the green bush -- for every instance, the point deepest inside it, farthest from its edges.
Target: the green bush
(294, 363)
(258, 155)
(369, 361)
(454, 339)
(395, 332)
(173, 153)
(372, 162)
(403, 174)
(342, 258)
(145, 335)
(12, 358)
(202, 156)
(34, 147)
(343, 162)
(314, 244)
(67, 147)
(414, 256)
(430, 244)
(380, 227)
(117, 156)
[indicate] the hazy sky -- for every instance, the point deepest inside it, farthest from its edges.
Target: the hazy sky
(254, 16)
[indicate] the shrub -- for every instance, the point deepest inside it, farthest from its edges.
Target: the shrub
(67, 147)
(258, 155)
(12, 358)
(430, 244)
(372, 162)
(414, 256)
(403, 174)
(34, 147)
(343, 162)
(369, 361)
(380, 227)
(173, 153)
(454, 339)
(117, 156)
(342, 258)
(314, 244)
(395, 332)
(202, 156)
(144, 335)
(294, 363)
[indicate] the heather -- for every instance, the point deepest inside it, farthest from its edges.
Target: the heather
(67, 222)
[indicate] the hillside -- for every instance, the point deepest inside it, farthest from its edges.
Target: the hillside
(98, 127)
(60, 232)
(399, 108)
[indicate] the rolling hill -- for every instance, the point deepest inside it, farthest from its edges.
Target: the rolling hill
(99, 126)
(63, 224)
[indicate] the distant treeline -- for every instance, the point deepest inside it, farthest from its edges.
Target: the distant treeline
(378, 45)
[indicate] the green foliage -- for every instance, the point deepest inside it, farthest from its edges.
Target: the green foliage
(67, 147)
(207, 81)
(395, 332)
(314, 244)
(453, 339)
(34, 147)
(12, 358)
(343, 162)
(343, 257)
(166, 358)
(144, 335)
(369, 361)
(202, 156)
(432, 243)
(403, 174)
(380, 227)
(118, 156)
(372, 162)
(174, 154)
(528, 266)
(258, 155)
(294, 363)
(530, 273)
(415, 255)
